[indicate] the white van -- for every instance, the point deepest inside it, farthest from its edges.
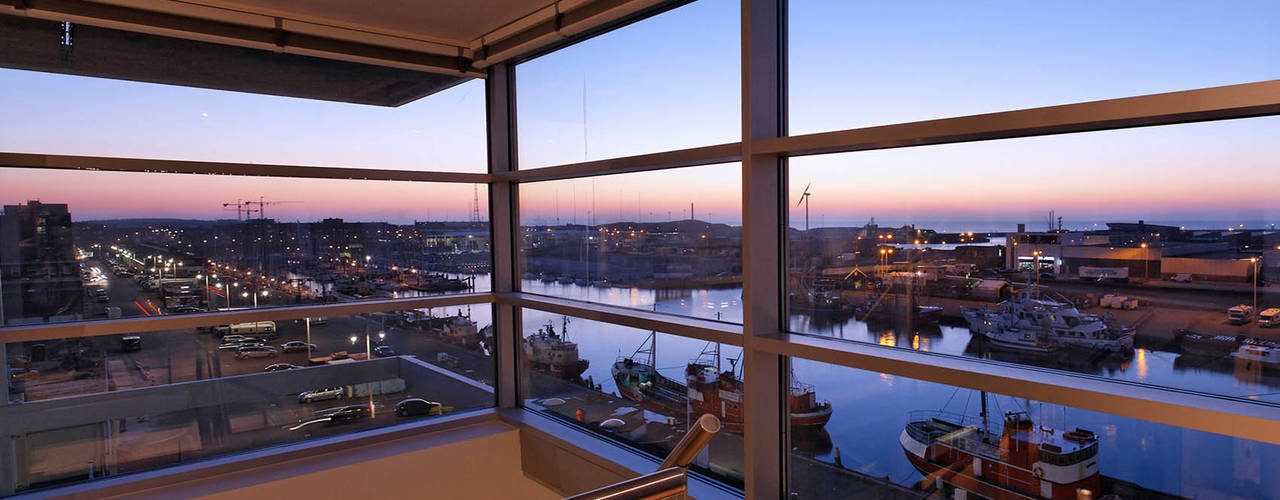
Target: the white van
(1240, 314)
(1269, 317)
(261, 329)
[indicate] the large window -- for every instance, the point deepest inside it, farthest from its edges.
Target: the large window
(901, 437)
(116, 404)
(73, 115)
(160, 244)
(1125, 254)
(854, 64)
(620, 94)
(667, 240)
(642, 388)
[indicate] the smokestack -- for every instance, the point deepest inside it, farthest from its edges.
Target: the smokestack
(691, 211)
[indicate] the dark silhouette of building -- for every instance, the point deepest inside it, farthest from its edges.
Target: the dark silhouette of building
(39, 274)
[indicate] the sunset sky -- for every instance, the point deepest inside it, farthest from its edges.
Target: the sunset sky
(672, 82)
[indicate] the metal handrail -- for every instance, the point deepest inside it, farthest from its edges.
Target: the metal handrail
(672, 477)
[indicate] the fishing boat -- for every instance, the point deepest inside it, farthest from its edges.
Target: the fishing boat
(553, 353)
(638, 380)
(820, 298)
(719, 393)
(1201, 344)
(1038, 324)
(1016, 461)
(459, 330)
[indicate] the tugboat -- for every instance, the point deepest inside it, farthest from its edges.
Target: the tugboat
(1016, 462)
(554, 353)
(639, 381)
(717, 392)
(1043, 325)
(458, 330)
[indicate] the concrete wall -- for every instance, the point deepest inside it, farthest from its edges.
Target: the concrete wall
(477, 461)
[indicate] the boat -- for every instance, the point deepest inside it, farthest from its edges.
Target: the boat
(639, 381)
(821, 298)
(878, 311)
(1201, 344)
(1017, 461)
(601, 284)
(553, 353)
(582, 282)
(564, 280)
(1038, 324)
(458, 330)
(1265, 353)
(719, 393)
(547, 278)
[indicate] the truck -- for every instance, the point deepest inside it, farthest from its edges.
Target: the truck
(1104, 273)
(1240, 314)
(1269, 318)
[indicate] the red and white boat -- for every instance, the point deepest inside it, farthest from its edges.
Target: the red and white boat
(720, 393)
(1017, 462)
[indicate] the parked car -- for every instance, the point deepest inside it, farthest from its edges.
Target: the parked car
(236, 338)
(235, 346)
(256, 351)
(280, 367)
(322, 395)
(349, 414)
(130, 343)
(383, 351)
(418, 407)
(1181, 278)
(296, 346)
(185, 310)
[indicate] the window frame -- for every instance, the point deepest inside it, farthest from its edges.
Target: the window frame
(763, 335)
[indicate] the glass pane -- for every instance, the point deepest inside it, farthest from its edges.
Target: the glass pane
(102, 406)
(640, 388)
(896, 437)
(86, 245)
(630, 240)
(857, 64)
(73, 115)
(1147, 254)
(668, 82)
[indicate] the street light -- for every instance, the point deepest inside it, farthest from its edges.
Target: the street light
(1146, 262)
(1254, 260)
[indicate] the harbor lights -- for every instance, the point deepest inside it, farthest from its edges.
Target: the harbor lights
(1035, 265)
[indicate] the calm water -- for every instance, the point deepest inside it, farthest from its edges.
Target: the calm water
(870, 408)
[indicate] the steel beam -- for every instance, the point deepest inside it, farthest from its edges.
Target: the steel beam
(684, 326)
(763, 233)
(112, 164)
(503, 226)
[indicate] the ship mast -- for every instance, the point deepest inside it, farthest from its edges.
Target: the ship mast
(984, 416)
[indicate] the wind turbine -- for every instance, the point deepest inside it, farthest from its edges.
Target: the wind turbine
(804, 198)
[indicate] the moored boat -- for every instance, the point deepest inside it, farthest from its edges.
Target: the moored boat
(1265, 353)
(1045, 325)
(1201, 344)
(719, 393)
(638, 380)
(1017, 461)
(553, 353)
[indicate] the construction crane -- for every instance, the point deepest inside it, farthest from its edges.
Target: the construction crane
(262, 205)
(241, 207)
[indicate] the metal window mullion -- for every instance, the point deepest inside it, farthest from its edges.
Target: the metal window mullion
(764, 372)
(683, 326)
(156, 166)
(692, 157)
(53, 331)
(503, 225)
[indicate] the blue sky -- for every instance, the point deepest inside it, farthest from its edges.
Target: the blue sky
(672, 82)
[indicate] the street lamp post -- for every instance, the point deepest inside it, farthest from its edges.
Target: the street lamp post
(1254, 261)
(1035, 265)
(1146, 262)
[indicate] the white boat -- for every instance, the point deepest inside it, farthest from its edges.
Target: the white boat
(1044, 325)
(1265, 353)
